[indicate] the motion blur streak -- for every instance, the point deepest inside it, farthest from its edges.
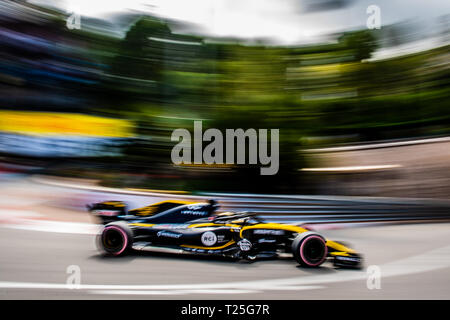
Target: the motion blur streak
(91, 91)
(142, 70)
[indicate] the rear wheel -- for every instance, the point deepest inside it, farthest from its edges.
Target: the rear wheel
(309, 249)
(116, 238)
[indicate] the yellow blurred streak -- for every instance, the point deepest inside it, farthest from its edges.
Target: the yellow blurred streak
(322, 68)
(160, 191)
(205, 166)
(330, 68)
(47, 123)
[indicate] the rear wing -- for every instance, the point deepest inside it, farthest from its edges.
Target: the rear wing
(108, 211)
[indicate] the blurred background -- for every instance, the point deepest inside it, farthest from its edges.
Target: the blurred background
(94, 89)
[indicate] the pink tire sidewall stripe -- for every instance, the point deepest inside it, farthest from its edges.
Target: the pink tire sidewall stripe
(124, 235)
(303, 257)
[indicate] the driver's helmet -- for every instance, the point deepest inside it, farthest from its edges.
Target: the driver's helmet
(213, 203)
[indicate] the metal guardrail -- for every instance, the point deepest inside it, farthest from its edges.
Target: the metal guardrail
(299, 208)
(335, 210)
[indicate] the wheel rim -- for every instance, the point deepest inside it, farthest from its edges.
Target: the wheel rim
(114, 240)
(313, 250)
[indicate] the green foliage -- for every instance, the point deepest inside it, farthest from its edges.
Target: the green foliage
(361, 43)
(164, 81)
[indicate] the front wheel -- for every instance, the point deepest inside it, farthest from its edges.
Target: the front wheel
(116, 238)
(309, 249)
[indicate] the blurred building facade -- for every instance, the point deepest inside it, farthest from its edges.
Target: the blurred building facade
(354, 87)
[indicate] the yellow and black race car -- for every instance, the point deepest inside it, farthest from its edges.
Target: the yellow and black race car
(180, 226)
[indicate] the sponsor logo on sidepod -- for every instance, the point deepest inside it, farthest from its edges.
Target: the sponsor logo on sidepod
(193, 212)
(168, 234)
(245, 245)
(209, 238)
(267, 231)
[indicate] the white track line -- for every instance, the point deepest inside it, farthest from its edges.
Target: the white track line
(352, 168)
(53, 226)
(426, 262)
(9, 214)
(379, 145)
(169, 292)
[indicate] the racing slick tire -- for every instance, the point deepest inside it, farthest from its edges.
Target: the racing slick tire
(116, 239)
(309, 249)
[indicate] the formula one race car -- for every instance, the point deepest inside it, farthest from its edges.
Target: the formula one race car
(181, 226)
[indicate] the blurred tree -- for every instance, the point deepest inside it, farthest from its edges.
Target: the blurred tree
(361, 43)
(165, 81)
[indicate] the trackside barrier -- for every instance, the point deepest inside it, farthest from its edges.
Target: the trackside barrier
(295, 208)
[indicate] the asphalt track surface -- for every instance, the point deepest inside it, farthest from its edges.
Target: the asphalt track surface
(413, 260)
